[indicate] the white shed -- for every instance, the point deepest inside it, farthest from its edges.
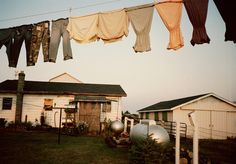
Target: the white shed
(215, 115)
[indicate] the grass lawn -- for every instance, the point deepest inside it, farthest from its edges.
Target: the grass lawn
(42, 147)
(36, 147)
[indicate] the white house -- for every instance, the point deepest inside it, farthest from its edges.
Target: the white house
(216, 116)
(22, 100)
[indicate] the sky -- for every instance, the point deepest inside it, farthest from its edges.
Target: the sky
(147, 78)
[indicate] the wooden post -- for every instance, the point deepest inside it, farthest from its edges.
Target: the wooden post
(177, 143)
(59, 130)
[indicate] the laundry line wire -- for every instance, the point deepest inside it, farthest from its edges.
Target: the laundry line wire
(58, 11)
(87, 6)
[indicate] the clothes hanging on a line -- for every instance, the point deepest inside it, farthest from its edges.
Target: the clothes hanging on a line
(226, 10)
(6, 38)
(197, 13)
(58, 30)
(13, 39)
(170, 13)
(83, 29)
(141, 21)
(113, 25)
(40, 35)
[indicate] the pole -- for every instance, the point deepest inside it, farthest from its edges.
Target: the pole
(193, 121)
(59, 131)
(177, 143)
(195, 143)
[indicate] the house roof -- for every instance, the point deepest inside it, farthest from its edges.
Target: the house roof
(167, 105)
(39, 87)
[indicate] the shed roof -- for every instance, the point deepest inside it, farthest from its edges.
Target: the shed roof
(39, 87)
(167, 105)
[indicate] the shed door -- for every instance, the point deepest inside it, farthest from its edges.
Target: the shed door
(90, 113)
(212, 124)
(219, 128)
(204, 124)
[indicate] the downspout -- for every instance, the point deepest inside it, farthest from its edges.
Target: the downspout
(19, 96)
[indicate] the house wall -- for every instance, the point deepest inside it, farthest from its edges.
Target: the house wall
(151, 116)
(9, 115)
(116, 110)
(216, 119)
(33, 106)
(65, 78)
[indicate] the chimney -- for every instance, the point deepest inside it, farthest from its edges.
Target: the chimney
(19, 96)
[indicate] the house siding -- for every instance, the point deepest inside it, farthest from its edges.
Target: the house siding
(116, 110)
(33, 106)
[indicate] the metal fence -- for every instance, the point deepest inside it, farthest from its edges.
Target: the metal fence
(170, 126)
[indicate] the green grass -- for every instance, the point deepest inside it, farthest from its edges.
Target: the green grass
(42, 147)
(35, 147)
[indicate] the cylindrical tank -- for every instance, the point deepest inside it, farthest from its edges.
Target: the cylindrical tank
(117, 127)
(141, 131)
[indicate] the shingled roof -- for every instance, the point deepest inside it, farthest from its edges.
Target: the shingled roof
(167, 105)
(39, 87)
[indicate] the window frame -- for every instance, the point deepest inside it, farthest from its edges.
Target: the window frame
(156, 116)
(147, 115)
(46, 106)
(164, 116)
(7, 105)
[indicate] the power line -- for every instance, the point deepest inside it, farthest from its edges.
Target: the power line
(59, 11)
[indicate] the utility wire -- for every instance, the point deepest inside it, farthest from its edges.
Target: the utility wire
(59, 11)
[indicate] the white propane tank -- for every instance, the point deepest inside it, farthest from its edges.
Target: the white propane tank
(141, 131)
(117, 127)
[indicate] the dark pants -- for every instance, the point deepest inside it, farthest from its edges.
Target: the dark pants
(6, 38)
(22, 33)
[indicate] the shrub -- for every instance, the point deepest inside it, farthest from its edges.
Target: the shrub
(149, 151)
(3, 122)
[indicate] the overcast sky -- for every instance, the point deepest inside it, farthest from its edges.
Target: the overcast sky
(147, 78)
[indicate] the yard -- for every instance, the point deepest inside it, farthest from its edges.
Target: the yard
(43, 147)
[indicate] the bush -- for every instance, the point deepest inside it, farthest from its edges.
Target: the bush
(149, 151)
(3, 122)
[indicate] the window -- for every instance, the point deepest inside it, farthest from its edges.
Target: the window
(156, 116)
(164, 116)
(6, 103)
(147, 115)
(48, 104)
(106, 107)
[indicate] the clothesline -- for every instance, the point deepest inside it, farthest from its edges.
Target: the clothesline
(110, 27)
(77, 8)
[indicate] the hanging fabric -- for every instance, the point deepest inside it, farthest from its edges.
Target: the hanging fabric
(6, 38)
(226, 9)
(83, 29)
(13, 39)
(22, 34)
(141, 20)
(40, 35)
(197, 13)
(170, 13)
(59, 30)
(113, 25)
